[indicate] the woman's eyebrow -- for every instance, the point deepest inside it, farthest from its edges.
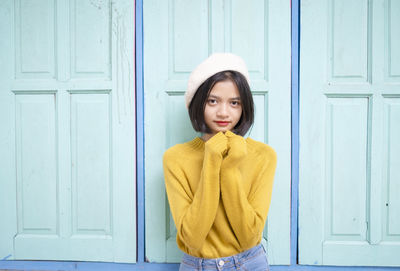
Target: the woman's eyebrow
(217, 97)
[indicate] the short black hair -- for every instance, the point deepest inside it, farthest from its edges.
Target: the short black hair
(198, 103)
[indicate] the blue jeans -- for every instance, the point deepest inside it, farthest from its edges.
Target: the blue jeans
(253, 259)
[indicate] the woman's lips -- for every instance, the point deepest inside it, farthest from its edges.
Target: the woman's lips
(222, 123)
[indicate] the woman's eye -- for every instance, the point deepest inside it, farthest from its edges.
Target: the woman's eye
(212, 101)
(235, 103)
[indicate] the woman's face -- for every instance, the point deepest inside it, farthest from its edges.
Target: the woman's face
(223, 108)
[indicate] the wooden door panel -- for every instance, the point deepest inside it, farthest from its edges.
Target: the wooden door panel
(348, 100)
(68, 117)
(182, 35)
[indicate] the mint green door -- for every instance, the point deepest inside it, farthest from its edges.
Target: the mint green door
(349, 208)
(178, 35)
(67, 134)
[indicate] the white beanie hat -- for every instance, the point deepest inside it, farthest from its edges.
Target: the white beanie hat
(215, 63)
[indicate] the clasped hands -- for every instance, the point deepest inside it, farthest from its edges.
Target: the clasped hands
(230, 146)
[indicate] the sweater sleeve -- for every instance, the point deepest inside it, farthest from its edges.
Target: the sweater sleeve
(247, 215)
(195, 215)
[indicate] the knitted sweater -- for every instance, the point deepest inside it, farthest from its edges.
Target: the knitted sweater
(219, 192)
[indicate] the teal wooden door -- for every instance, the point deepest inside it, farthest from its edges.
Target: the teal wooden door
(349, 133)
(67, 139)
(178, 35)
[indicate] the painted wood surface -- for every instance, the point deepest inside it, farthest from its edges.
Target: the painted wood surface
(178, 35)
(67, 189)
(349, 211)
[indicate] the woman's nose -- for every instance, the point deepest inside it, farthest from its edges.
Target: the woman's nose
(222, 110)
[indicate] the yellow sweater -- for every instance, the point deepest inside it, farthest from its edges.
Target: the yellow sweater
(219, 192)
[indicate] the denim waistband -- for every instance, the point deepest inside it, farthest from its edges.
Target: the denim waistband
(237, 259)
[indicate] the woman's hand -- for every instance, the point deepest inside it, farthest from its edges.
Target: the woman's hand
(237, 148)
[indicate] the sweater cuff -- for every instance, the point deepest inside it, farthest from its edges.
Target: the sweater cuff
(217, 143)
(230, 134)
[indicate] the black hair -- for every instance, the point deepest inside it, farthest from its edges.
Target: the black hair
(199, 100)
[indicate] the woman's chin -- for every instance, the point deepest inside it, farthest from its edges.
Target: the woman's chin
(220, 130)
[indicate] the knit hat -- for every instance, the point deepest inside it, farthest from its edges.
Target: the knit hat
(215, 63)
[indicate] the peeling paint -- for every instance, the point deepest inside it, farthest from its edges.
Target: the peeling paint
(99, 4)
(123, 63)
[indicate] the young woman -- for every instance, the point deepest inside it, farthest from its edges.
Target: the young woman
(219, 186)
